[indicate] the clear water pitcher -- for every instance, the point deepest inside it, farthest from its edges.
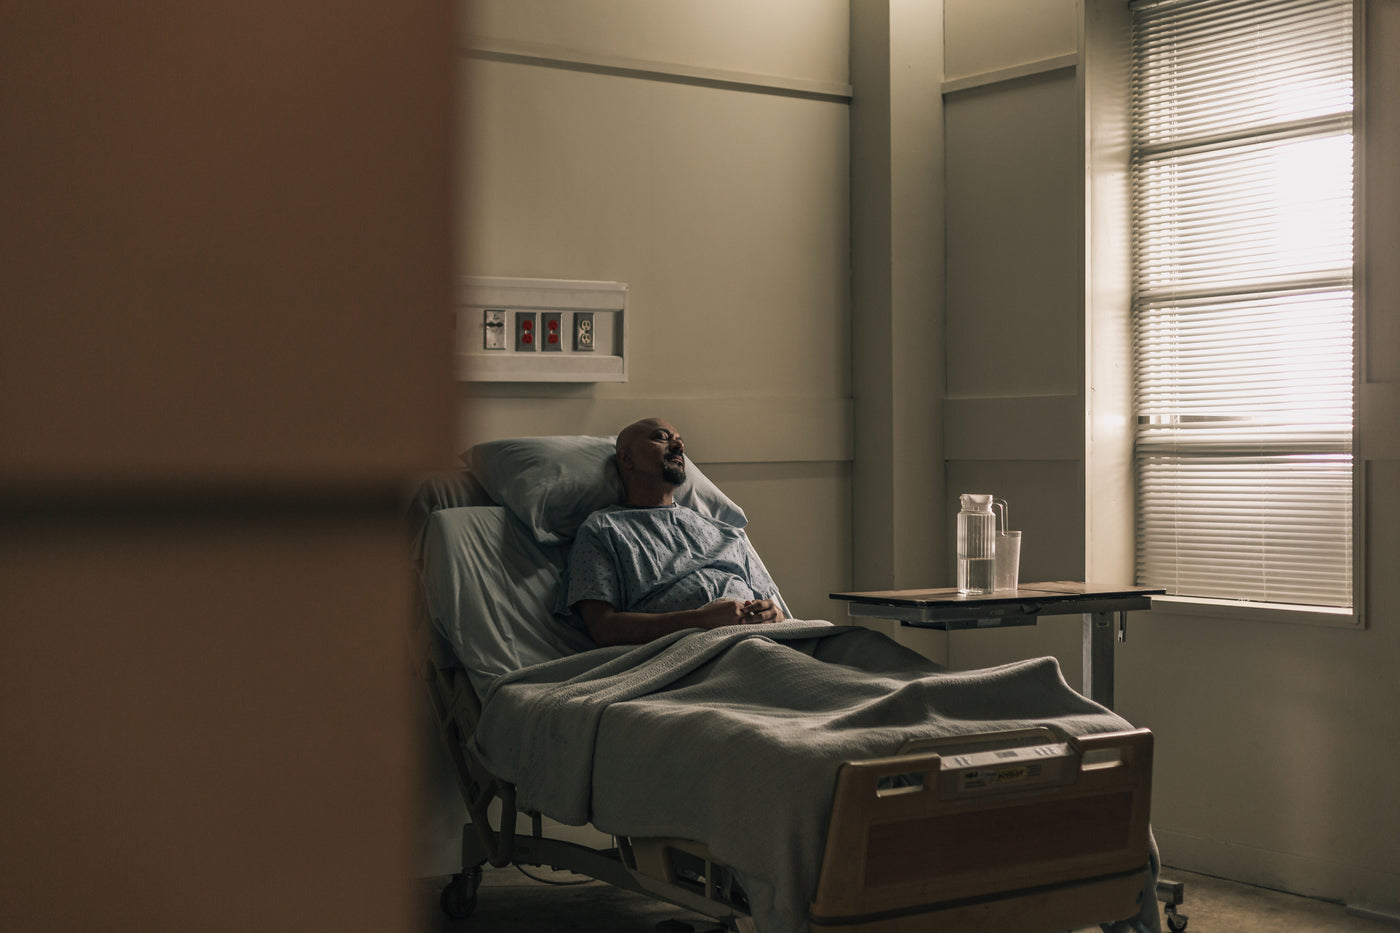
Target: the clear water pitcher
(977, 530)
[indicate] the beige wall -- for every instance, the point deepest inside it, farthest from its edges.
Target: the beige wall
(897, 273)
(709, 156)
(1015, 399)
(698, 152)
(898, 284)
(1275, 741)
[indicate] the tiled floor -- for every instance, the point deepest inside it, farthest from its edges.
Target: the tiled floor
(1216, 906)
(509, 902)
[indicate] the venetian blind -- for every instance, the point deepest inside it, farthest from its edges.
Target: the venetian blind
(1242, 297)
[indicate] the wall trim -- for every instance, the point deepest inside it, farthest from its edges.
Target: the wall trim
(716, 430)
(1391, 917)
(513, 51)
(1012, 73)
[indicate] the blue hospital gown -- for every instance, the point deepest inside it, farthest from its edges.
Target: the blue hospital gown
(663, 559)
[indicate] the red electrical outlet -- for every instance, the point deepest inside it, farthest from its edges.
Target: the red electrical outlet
(526, 334)
(551, 331)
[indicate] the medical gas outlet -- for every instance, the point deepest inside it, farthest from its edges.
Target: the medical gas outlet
(545, 331)
(541, 330)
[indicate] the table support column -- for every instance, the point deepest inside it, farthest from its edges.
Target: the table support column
(1098, 657)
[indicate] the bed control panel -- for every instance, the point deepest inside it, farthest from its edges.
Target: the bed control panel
(1007, 770)
(999, 762)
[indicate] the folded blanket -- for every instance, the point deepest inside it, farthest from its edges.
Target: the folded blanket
(734, 736)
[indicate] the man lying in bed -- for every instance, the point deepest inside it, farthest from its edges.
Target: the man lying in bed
(628, 737)
(649, 567)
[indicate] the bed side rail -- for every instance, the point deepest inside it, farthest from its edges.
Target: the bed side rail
(977, 836)
(456, 711)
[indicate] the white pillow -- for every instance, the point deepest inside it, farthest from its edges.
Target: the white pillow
(491, 592)
(553, 483)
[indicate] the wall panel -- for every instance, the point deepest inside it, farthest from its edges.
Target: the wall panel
(782, 498)
(629, 156)
(795, 38)
(724, 213)
(992, 35)
(1014, 221)
(1013, 415)
(716, 430)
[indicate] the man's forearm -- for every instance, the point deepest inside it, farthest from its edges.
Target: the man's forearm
(635, 628)
(609, 625)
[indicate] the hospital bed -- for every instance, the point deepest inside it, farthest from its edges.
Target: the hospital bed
(1015, 829)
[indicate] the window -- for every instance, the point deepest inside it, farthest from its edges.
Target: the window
(1242, 297)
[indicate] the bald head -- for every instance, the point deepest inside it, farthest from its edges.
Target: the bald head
(651, 461)
(637, 429)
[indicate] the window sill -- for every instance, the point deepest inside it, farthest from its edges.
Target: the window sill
(1245, 611)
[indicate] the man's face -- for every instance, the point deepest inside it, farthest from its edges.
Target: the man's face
(657, 449)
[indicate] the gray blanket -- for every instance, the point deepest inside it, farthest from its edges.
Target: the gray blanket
(733, 737)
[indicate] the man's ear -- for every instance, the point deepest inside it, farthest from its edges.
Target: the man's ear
(624, 459)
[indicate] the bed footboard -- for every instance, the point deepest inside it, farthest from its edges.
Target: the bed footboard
(1001, 830)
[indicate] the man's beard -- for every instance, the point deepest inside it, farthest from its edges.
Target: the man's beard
(673, 473)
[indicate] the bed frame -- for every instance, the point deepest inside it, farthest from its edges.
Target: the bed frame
(1058, 838)
(671, 870)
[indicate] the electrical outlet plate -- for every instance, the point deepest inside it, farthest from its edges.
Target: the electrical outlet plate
(584, 335)
(494, 324)
(552, 331)
(526, 331)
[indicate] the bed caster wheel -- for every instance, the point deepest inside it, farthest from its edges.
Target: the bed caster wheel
(1175, 922)
(458, 898)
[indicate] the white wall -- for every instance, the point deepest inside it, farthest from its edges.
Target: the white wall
(697, 151)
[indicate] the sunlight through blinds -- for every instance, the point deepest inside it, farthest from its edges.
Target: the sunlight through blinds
(1242, 298)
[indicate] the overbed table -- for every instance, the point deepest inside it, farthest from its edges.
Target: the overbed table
(945, 609)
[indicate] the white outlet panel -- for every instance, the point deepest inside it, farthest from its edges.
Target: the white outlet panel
(599, 308)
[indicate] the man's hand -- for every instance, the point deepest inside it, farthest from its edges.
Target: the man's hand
(761, 611)
(610, 626)
(732, 612)
(721, 612)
